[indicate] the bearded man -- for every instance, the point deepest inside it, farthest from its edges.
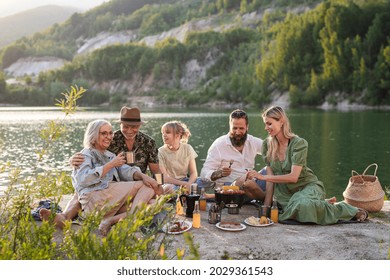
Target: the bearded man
(232, 155)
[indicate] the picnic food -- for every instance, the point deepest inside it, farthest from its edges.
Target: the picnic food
(231, 225)
(234, 188)
(231, 190)
(256, 221)
(229, 195)
(177, 226)
(253, 221)
(263, 220)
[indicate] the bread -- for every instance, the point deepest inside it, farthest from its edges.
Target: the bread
(263, 220)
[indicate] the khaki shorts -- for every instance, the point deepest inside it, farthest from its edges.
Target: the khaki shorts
(111, 199)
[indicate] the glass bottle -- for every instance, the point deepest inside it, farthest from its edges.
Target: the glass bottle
(179, 207)
(202, 201)
(194, 188)
(196, 216)
(274, 211)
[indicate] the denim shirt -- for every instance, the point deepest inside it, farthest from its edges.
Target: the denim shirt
(87, 177)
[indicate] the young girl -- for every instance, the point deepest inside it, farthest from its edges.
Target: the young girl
(176, 156)
(293, 183)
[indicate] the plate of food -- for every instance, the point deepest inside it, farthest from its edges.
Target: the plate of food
(258, 222)
(177, 227)
(230, 226)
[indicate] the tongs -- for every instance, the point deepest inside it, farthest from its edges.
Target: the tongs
(220, 207)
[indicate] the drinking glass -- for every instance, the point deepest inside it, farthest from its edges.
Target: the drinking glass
(159, 178)
(129, 157)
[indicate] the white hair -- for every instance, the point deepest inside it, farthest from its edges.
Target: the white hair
(92, 132)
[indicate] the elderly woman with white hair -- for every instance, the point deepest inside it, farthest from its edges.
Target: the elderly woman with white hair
(103, 180)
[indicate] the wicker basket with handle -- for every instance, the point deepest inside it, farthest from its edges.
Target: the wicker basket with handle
(365, 191)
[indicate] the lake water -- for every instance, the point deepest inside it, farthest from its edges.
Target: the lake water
(339, 142)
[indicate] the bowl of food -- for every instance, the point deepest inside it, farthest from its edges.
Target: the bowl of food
(230, 195)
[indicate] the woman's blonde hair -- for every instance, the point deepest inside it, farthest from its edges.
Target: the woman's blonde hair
(178, 128)
(277, 113)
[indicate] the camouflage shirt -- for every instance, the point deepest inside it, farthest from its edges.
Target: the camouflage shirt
(144, 149)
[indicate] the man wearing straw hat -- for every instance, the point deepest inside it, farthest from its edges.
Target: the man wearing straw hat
(128, 138)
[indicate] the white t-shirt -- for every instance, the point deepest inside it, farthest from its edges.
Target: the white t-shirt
(222, 151)
(177, 162)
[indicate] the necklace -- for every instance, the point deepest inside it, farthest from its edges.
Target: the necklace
(173, 148)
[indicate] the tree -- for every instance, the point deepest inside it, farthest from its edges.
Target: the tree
(3, 84)
(243, 6)
(12, 54)
(154, 24)
(383, 74)
(229, 4)
(377, 34)
(219, 5)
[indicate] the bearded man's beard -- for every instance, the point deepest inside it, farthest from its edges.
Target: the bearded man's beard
(238, 140)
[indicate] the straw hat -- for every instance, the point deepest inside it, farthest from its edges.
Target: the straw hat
(130, 116)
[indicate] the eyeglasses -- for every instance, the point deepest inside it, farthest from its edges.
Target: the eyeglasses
(106, 133)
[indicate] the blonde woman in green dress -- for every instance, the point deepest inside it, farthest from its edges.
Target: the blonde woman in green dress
(292, 182)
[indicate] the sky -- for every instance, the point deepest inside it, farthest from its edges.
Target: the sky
(9, 7)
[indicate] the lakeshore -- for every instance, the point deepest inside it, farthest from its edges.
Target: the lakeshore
(368, 240)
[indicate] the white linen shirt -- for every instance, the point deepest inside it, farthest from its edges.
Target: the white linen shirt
(222, 151)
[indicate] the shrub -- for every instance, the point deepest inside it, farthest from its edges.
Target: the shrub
(21, 238)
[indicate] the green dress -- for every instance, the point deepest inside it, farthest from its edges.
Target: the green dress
(304, 200)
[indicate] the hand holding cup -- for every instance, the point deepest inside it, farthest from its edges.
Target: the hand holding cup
(129, 156)
(253, 174)
(119, 160)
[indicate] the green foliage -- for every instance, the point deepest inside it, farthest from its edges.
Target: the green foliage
(154, 24)
(194, 253)
(387, 193)
(338, 46)
(3, 84)
(69, 103)
(243, 6)
(296, 96)
(22, 238)
(118, 99)
(11, 54)
(123, 242)
(336, 41)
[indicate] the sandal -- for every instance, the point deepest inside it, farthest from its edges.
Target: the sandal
(361, 215)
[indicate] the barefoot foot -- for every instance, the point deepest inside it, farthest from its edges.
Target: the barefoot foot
(361, 215)
(59, 219)
(104, 227)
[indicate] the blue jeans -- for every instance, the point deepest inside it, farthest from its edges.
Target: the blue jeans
(262, 183)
